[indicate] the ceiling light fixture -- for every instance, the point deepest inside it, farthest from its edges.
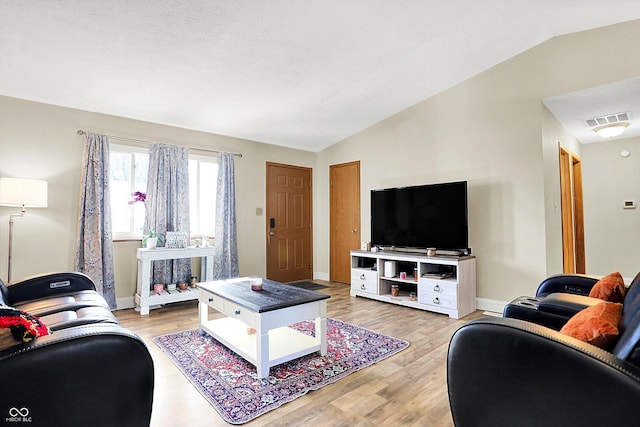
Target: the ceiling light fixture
(611, 130)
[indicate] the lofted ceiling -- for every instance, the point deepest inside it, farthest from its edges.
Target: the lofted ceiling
(302, 74)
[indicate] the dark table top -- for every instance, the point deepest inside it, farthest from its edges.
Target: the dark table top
(273, 296)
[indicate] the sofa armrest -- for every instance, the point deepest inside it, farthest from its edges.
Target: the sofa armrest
(530, 375)
(577, 284)
(48, 285)
(98, 375)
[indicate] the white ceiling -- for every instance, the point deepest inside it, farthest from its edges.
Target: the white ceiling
(296, 73)
(573, 109)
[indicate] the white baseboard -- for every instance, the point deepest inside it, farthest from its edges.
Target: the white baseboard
(124, 303)
(490, 305)
(321, 276)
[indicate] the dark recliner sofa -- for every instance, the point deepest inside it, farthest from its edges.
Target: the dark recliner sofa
(88, 371)
(506, 371)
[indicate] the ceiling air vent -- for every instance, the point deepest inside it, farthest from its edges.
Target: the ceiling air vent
(608, 119)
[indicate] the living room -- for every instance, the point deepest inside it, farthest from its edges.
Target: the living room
(492, 130)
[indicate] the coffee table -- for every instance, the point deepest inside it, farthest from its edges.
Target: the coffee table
(269, 312)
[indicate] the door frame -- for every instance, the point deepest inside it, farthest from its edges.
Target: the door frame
(572, 211)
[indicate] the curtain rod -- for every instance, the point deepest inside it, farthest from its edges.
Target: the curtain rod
(122, 138)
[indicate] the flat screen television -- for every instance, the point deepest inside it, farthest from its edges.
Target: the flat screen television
(423, 216)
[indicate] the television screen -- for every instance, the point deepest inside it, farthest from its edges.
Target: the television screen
(424, 216)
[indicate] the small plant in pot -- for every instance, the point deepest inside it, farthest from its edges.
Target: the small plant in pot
(150, 240)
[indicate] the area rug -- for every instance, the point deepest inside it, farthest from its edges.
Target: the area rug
(305, 284)
(232, 387)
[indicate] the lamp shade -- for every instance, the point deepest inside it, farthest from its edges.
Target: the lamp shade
(19, 192)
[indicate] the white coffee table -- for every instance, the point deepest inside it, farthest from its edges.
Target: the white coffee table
(269, 312)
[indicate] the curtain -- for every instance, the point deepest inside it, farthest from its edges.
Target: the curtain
(94, 250)
(225, 245)
(167, 205)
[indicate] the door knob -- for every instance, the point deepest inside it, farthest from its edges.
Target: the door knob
(272, 233)
(354, 231)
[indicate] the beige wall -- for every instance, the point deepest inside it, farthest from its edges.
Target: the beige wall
(493, 131)
(40, 141)
(612, 234)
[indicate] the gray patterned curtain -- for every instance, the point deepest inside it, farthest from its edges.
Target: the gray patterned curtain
(167, 205)
(94, 250)
(225, 245)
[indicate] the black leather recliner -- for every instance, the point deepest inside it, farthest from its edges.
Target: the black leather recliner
(60, 300)
(506, 372)
(88, 371)
(557, 298)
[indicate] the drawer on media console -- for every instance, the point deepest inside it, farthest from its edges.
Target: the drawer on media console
(436, 299)
(364, 280)
(437, 286)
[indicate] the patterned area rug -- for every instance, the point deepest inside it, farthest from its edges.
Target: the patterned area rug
(231, 384)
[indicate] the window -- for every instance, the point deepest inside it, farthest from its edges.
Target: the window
(203, 180)
(128, 167)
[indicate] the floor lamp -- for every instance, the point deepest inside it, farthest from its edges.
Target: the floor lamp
(22, 193)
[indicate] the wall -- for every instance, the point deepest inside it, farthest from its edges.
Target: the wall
(493, 131)
(612, 234)
(40, 141)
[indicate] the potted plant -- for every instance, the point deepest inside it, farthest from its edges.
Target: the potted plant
(150, 240)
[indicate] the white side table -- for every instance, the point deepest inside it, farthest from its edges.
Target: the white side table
(146, 297)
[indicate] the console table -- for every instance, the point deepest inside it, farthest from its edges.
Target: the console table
(146, 297)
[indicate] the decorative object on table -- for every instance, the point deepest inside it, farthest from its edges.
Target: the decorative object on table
(205, 241)
(403, 275)
(182, 286)
(193, 281)
(176, 239)
(150, 240)
(415, 274)
(158, 288)
(412, 296)
(138, 196)
(256, 283)
(22, 193)
(230, 383)
(431, 251)
(171, 287)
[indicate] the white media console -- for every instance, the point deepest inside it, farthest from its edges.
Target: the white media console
(445, 284)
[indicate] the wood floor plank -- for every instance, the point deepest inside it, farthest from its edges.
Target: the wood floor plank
(407, 389)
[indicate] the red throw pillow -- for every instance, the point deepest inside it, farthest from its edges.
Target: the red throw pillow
(24, 326)
(597, 325)
(609, 288)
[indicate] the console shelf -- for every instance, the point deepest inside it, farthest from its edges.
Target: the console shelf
(445, 284)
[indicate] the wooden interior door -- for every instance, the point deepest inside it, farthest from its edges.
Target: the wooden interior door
(573, 250)
(344, 235)
(289, 223)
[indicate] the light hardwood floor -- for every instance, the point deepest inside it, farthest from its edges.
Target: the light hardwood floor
(407, 389)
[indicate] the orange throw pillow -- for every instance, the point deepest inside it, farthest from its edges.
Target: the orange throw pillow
(609, 288)
(597, 325)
